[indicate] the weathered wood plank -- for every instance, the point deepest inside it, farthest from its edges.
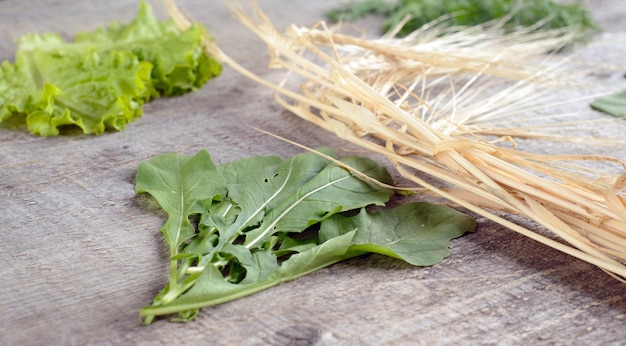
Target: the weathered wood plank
(80, 253)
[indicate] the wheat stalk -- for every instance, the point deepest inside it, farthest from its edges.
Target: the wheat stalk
(426, 103)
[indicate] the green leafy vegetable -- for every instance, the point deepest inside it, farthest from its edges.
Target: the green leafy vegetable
(101, 80)
(470, 12)
(419, 232)
(614, 104)
(263, 221)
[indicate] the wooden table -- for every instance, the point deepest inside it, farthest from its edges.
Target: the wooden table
(80, 253)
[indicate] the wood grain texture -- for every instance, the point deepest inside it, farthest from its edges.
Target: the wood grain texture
(80, 253)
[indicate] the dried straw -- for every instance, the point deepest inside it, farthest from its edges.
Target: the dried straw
(431, 103)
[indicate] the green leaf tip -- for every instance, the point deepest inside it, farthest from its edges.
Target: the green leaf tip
(614, 104)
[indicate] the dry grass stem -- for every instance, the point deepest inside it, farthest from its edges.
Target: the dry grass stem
(449, 103)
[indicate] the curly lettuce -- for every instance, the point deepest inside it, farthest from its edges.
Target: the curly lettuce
(101, 79)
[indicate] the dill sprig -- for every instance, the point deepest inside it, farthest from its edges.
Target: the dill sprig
(545, 14)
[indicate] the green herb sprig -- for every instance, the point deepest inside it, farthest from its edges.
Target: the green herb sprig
(471, 12)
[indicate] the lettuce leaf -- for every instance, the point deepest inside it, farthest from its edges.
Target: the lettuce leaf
(100, 80)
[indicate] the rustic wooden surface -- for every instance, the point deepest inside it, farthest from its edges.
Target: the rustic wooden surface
(80, 253)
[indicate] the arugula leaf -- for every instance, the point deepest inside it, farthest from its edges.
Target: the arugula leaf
(265, 220)
(418, 233)
(211, 288)
(101, 80)
(181, 185)
(614, 104)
